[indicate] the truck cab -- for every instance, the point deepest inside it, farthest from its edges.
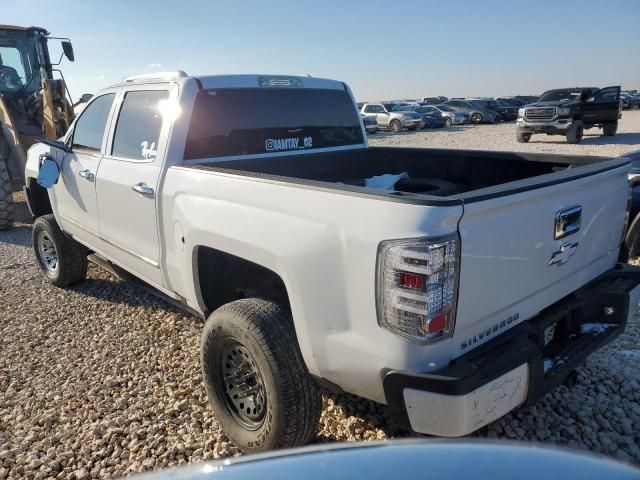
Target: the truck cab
(570, 111)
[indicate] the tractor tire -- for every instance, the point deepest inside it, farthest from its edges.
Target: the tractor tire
(609, 129)
(7, 207)
(61, 258)
(256, 380)
(574, 133)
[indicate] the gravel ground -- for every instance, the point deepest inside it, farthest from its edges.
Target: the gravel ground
(502, 136)
(103, 379)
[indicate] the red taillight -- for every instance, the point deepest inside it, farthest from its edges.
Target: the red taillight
(412, 280)
(417, 284)
(438, 323)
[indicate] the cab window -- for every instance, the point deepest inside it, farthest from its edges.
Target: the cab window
(139, 124)
(89, 130)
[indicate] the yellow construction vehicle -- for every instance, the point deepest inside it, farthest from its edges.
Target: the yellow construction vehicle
(33, 104)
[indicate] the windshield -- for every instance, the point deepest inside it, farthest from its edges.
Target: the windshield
(558, 95)
(245, 121)
(20, 60)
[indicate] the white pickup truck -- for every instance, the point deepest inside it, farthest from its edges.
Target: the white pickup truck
(467, 285)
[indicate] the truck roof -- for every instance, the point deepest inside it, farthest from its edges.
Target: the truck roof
(24, 29)
(237, 80)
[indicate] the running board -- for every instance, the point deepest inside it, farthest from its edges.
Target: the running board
(122, 274)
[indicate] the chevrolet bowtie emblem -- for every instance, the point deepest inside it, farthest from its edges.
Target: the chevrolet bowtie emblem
(562, 256)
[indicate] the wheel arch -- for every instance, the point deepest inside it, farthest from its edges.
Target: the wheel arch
(221, 277)
(37, 198)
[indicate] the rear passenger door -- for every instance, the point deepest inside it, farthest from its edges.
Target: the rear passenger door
(127, 180)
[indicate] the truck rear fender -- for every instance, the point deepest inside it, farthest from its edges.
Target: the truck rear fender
(221, 278)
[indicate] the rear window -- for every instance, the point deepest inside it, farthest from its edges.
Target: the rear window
(244, 121)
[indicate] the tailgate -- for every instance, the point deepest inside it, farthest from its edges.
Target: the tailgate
(512, 266)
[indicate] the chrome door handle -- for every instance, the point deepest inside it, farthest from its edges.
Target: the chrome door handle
(87, 175)
(143, 189)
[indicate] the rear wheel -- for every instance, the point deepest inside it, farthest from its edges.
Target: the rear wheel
(609, 129)
(7, 207)
(574, 133)
(255, 377)
(448, 122)
(635, 106)
(395, 126)
(61, 258)
(476, 118)
(523, 137)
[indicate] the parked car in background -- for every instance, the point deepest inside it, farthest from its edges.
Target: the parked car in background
(431, 119)
(370, 123)
(514, 102)
(428, 120)
(448, 114)
(433, 100)
(392, 120)
(570, 111)
(630, 101)
(477, 113)
(506, 112)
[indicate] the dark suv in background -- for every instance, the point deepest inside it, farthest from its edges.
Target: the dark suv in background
(569, 111)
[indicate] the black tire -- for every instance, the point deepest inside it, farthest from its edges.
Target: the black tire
(635, 106)
(523, 137)
(7, 207)
(447, 121)
(476, 118)
(574, 133)
(267, 349)
(395, 126)
(609, 129)
(70, 257)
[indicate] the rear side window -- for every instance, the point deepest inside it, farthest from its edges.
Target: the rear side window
(89, 129)
(244, 121)
(139, 125)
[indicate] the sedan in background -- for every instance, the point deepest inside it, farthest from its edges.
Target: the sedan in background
(630, 101)
(448, 114)
(514, 102)
(477, 113)
(433, 100)
(507, 112)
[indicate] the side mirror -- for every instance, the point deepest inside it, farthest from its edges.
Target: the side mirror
(67, 48)
(49, 171)
(86, 97)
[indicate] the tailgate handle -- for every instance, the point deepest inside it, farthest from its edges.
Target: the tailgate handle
(568, 221)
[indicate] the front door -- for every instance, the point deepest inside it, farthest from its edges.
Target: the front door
(604, 107)
(74, 195)
(127, 181)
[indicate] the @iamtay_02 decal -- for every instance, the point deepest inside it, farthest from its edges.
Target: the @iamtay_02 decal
(291, 143)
